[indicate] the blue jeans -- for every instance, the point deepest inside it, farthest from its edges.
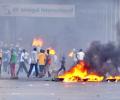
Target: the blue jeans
(42, 69)
(22, 65)
(31, 68)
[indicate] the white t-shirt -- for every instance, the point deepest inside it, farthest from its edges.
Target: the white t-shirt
(80, 55)
(26, 56)
(22, 57)
(34, 57)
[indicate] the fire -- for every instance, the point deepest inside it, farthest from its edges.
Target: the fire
(52, 51)
(117, 78)
(113, 78)
(94, 78)
(37, 42)
(78, 73)
(71, 54)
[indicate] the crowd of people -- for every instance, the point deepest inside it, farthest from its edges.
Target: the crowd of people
(38, 63)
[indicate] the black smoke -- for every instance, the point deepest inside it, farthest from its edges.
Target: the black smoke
(103, 58)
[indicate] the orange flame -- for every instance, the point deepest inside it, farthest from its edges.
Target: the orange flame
(71, 54)
(116, 78)
(94, 78)
(37, 42)
(79, 72)
(52, 51)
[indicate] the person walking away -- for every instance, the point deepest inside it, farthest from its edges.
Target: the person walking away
(13, 61)
(41, 62)
(48, 63)
(6, 60)
(33, 62)
(22, 63)
(63, 62)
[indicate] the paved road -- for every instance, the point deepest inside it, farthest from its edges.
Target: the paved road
(34, 89)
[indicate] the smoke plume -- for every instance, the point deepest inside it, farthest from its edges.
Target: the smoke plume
(103, 58)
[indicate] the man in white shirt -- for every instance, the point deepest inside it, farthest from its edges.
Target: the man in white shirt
(22, 63)
(80, 55)
(33, 62)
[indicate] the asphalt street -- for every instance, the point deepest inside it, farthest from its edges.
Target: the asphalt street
(36, 89)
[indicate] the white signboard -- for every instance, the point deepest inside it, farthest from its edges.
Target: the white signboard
(37, 10)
